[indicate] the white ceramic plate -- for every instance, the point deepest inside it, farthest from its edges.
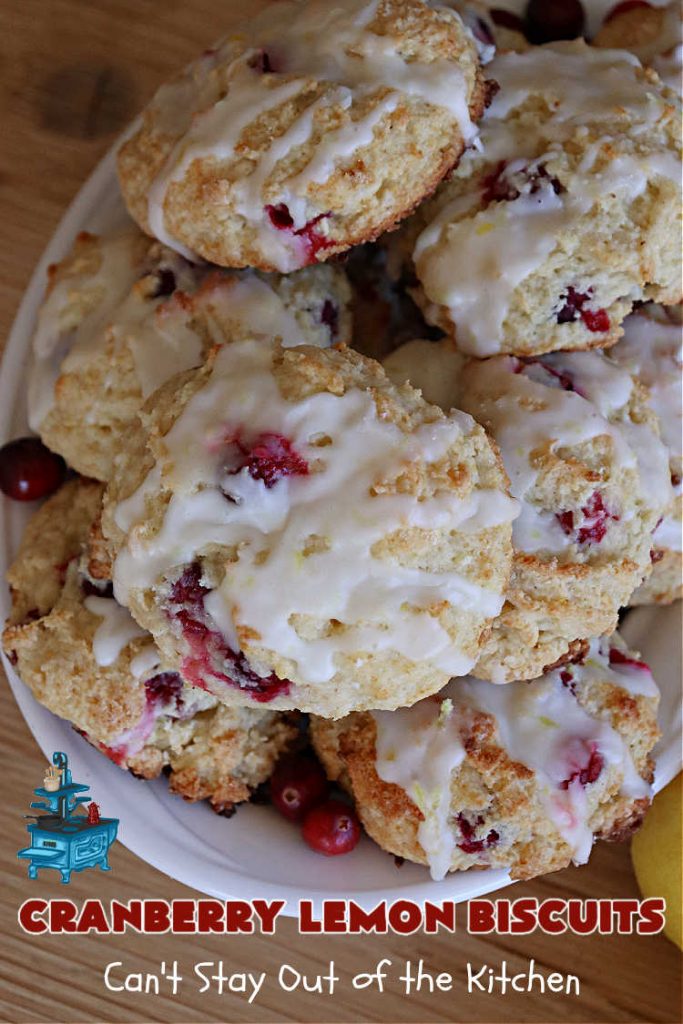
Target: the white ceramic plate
(255, 854)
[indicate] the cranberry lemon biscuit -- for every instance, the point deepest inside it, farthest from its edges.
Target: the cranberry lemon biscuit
(569, 212)
(582, 451)
(651, 351)
(317, 126)
(123, 314)
(295, 530)
(523, 776)
(85, 659)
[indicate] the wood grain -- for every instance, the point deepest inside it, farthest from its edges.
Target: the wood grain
(71, 75)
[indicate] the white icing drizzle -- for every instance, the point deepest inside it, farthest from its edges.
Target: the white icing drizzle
(540, 724)
(246, 306)
(669, 534)
(418, 749)
(161, 334)
(608, 387)
(146, 663)
(527, 415)
(115, 632)
(432, 367)
(652, 350)
(316, 41)
(473, 264)
(275, 578)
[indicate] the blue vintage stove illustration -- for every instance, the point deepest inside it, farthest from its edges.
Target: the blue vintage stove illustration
(62, 838)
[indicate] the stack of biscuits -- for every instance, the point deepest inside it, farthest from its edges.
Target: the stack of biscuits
(270, 537)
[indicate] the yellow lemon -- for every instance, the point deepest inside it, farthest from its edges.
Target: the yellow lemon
(657, 853)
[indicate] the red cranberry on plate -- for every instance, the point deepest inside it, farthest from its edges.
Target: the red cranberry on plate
(331, 828)
(547, 20)
(297, 785)
(29, 470)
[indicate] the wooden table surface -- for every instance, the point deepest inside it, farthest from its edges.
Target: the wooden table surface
(72, 74)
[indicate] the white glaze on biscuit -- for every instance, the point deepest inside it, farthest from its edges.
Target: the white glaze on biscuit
(540, 724)
(115, 631)
(473, 265)
(279, 574)
(532, 414)
(315, 41)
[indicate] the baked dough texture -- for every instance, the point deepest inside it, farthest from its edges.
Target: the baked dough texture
(316, 126)
(569, 213)
(522, 777)
(295, 529)
(86, 660)
(651, 351)
(122, 314)
(582, 449)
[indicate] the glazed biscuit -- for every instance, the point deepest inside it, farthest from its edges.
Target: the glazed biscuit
(570, 211)
(317, 126)
(522, 777)
(295, 530)
(122, 314)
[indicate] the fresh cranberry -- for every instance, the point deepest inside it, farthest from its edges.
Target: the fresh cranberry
(210, 654)
(590, 771)
(188, 589)
(97, 588)
(595, 320)
(506, 19)
(331, 828)
(329, 315)
(505, 183)
(547, 20)
(622, 8)
(675, 480)
(617, 657)
(313, 241)
(297, 785)
(558, 378)
(29, 470)
(115, 754)
(573, 301)
(164, 688)
(468, 831)
(280, 217)
(269, 458)
(596, 517)
(567, 679)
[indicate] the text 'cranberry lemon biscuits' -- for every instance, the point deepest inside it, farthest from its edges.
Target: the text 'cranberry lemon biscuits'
(569, 212)
(123, 314)
(582, 450)
(318, 126)
(651, 350)
(85, 659)
(523, 776)
(295, 530)
(653, 34)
